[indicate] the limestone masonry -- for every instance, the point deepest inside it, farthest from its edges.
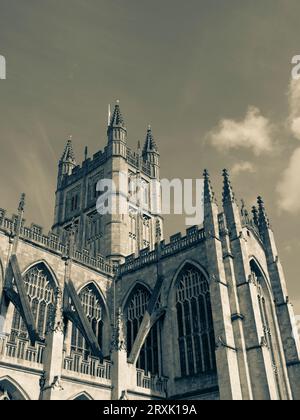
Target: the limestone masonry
(104, 308)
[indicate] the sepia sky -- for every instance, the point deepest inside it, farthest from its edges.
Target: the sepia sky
(212, 77)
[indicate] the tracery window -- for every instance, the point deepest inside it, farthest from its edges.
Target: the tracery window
(195, 324)
(266, 307)
(94, 309)
(40, 290)
(264, 304)
(150, 355)
(4, 395)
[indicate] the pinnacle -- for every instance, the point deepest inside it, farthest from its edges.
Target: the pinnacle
(150, 144)
(228, 194)
(262, 214)
(68, 155)
(117, 119)
(209, 195)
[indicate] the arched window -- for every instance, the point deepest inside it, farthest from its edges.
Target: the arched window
(83, 397)
(150, 355)
(11, 391)
(263, 301)
(265, 306)
(93, 307)
(4, 395)
(40, 286)
(195, 325)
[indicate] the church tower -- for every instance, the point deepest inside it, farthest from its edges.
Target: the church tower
(135, 219)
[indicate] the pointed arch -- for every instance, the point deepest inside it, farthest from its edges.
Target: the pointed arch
(131, 291)
(13, 389)
(40, 284)
(189, 297)
(98, 290)
(179, 269)
(46, 266)
(268, 317)
(256, 266)
(135, 306)
(82, 396)
(95, 309)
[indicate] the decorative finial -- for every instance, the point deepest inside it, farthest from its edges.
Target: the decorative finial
(262, 214)
(118, 102)
(206, 174)
(260, 202)
(255, 216)
(22, 203)
(85, 153)
(158, 233)
(244, 213)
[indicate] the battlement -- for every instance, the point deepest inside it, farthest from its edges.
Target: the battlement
(89, 165)
(194, 235)
(51, 242)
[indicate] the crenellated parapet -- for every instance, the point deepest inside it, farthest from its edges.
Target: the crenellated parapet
(51, 242)
(194, 236)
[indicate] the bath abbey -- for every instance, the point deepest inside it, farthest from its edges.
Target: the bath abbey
(103, 307)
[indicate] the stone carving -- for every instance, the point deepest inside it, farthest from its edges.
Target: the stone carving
(117, 343)
(124, 396)
(56, 323)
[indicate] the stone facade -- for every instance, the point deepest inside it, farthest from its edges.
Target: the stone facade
(104, 308)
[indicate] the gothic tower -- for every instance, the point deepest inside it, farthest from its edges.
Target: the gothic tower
(134, 219)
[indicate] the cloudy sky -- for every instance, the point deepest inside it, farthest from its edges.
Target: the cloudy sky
(212, 77)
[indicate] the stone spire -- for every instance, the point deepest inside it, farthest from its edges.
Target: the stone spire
(209, 195)
(228, 194)
(150, 145)
(68, 154)
(117, 129)
(117, 119)
(67, 162)
(231, 209)
(150, 153)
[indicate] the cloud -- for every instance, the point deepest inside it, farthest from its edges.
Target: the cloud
(294, 103)
(243, 167)
(289, 186)
(254, 132)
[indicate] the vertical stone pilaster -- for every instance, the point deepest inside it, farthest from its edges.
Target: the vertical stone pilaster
(284, 311)
(122, 372)
(237, 317)
(53, 357)
(258, 355)
(226, 351)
